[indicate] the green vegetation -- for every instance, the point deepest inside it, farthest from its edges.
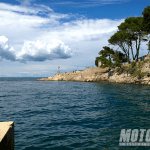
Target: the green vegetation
(145, 61)
(118, 58)
(122, 40)
(139, 73)
(107, 55)
(146, 19)
(140, 64)
(133, 69)
(133, 64)
(130, 34)
(107, 52)
(133, 26)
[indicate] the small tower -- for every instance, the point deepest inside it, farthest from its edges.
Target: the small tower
(99, 63)
(58, 70)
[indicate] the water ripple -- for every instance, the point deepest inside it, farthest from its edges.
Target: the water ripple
(72, 115)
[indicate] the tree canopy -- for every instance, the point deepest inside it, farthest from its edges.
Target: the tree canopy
(146, 19)
(131, 32)
(118, 58)
(106, 57)
(146, 22)
(123, 40)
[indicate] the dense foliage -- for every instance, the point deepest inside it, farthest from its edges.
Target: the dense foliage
(146, 19)
(130, 34)
(106, 57)
(118, 58)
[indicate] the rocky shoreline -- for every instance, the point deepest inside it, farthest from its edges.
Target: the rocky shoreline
(104, 75)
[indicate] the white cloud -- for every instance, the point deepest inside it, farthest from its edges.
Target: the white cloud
(28, 27)
(6, 52)
(42, 7)
(89, 3)
(31, 38)
(32, 28)
(84, 30)
(41, 51)
(8, 7)
(23, 9)
(35, 51)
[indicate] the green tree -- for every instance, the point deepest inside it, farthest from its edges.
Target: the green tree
(124, 41)
(130, 33)
(146, 23)
(146, 19)
(134, 26)
(105, 57)
(118, 58)
(96, 61)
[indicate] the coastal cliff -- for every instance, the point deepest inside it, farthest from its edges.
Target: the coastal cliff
(136, 73)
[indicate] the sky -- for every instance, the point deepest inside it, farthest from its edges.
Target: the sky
(37, 36)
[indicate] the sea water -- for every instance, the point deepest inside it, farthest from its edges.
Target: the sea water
(51, 115)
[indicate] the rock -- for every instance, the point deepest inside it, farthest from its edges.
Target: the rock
(147, 57)
(111, 72)
(100, 74)
(139, 77)
(130, 71)
(147, 79)
(148, 75)
(146, 68)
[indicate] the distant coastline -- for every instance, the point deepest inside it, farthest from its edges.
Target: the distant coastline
(135, 73)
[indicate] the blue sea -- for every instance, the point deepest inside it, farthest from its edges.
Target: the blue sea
(51, 115)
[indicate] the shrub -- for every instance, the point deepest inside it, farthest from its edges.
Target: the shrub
(117, 69)
(111, 73)
(130, 71)
(140, 64)
(120, 70)
(139, 73)
(133, 64)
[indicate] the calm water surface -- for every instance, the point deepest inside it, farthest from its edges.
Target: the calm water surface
(72, 115)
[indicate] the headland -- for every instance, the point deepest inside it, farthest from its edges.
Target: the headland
(135, 73)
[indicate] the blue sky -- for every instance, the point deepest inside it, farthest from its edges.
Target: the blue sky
(37, 36)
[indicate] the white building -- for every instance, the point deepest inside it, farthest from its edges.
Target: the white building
(99, 63)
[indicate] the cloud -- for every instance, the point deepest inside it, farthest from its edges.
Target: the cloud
(89, 3)
(85, 30)
(6, 52)
(27, 10)
(43, 7)
(41, 51)
(34, 38)
(34, 51)
(32, 28)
